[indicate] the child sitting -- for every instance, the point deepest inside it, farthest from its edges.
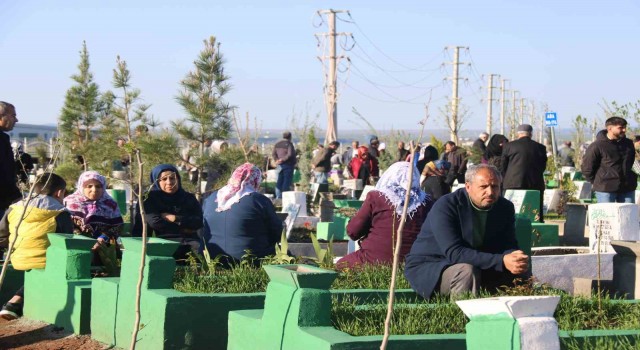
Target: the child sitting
(41, 214)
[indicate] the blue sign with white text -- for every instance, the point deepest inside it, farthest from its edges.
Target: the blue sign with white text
(551, 119)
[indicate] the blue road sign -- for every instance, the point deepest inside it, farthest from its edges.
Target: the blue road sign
(551, 119)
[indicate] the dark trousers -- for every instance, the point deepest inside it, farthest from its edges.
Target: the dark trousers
(460, 278)
(285, 179)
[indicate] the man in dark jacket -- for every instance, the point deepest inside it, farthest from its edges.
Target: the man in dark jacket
(402, 153)
(523, 163)
(458, 158)
(607, 164)
(479, 144)
(9, 191)
(566, 155)
(468, 240)
(322, 162)
(285, 157)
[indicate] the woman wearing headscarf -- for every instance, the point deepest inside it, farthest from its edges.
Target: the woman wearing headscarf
(93, 212)
(238, 219)
(363, 166)
(376, 223)
(493, 153)
(433, 174)
(171, 212)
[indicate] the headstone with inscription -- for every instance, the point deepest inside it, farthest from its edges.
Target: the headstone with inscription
(612, 221)
(294, 197)
(552, 198)
(526, 202)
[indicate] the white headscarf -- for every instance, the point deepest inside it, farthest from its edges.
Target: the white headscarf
(393, 185)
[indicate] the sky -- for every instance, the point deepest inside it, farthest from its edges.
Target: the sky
(571, 55)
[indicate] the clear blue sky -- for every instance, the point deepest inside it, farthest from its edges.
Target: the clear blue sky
(569, 54)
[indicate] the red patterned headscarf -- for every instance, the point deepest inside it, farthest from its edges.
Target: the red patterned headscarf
(244, 180)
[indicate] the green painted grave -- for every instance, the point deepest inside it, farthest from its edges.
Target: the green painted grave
(544, 235)
(525, 202)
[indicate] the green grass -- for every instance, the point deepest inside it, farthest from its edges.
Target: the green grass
(246, 278)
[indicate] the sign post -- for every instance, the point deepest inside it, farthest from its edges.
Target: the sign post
(551, 120)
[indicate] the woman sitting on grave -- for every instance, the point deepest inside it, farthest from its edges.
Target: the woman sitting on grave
(363, 166)
(376, 223)
(93, 212)
(238, 219)
(171, 213)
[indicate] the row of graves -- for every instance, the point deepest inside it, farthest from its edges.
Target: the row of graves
(296, 310)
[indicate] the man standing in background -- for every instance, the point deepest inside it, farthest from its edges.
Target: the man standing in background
(523, 163)
(9, 191)
(284, 154)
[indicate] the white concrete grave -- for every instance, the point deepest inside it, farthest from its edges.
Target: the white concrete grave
(612, 221)
(583, 189)
(352, 184)
(291, 198)
(637, 197)
(534, 315)
(272, 175)
(552, 198)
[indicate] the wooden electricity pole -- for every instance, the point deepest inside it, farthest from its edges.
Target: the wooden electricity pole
(502, 105)
(331, 91)
(490, 100)
(453, 120)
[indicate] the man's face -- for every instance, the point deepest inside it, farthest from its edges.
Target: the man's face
(8, 119)
(447, 148)
(484, 138)
(484, 191)
(375, 144)
(333, 146)
(616, 131)
(400, 145)
(355, 144)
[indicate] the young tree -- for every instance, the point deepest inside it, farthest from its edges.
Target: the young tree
(454, 125)
(82, 108)
(202, 98)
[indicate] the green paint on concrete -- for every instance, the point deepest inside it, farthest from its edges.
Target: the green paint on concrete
(495, 332)
(523, 233)
(337, 229)
(526, 202)
(347, 203)
(296, 315)
(544, 235)
(60, 293)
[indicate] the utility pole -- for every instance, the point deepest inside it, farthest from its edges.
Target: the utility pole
(522, 99)
(453, 121)
(513, 113)
(331, 91)
(502, 105)
(490, 103)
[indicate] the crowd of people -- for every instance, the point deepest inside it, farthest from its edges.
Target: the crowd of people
(452, 242)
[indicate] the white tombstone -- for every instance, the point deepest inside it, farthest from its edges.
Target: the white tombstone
(457, 187)
(366, 191)
(612, 221)
(583, 189)
(272, 175)
(291, 198)
(637, 197)
(353, 184)
(552, 199)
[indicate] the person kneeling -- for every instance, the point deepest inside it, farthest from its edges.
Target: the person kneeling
(468, 240)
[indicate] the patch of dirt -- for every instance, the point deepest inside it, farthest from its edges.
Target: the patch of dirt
(26, 334)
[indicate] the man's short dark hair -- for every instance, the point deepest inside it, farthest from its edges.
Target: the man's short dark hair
(334, 143)
(616, 121)
(450, 143)
(49, 183)
(637, 138)
(286, 135)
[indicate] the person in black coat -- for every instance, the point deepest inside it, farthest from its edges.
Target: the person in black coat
(468, 240)
(171, 212)
(9, 191)
(608, 163)
(523, 163)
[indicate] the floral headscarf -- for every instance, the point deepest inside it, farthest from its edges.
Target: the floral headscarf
(244, 180)
(393, 185)
(88, 214)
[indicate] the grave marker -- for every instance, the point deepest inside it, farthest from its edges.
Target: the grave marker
(612, 221)
(525, 202)
(552, 198)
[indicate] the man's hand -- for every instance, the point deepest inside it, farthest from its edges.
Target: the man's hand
(516, 262)
(168, 217)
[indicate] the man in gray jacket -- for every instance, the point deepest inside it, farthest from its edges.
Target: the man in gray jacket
(284, 154)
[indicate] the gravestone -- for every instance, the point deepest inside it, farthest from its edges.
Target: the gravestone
(575, 224)
(583, 189)
(294, 197)
(366, 191)
(612, 221)
(637, 197)
(552, 198)
(626, 268)
(292, 210)
(526, 202)
(544, 235)
(353, 184)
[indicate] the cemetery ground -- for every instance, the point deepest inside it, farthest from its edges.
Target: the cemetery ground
(25, 334)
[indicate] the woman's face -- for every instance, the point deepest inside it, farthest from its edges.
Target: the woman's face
(92, 189)
(168, 182)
